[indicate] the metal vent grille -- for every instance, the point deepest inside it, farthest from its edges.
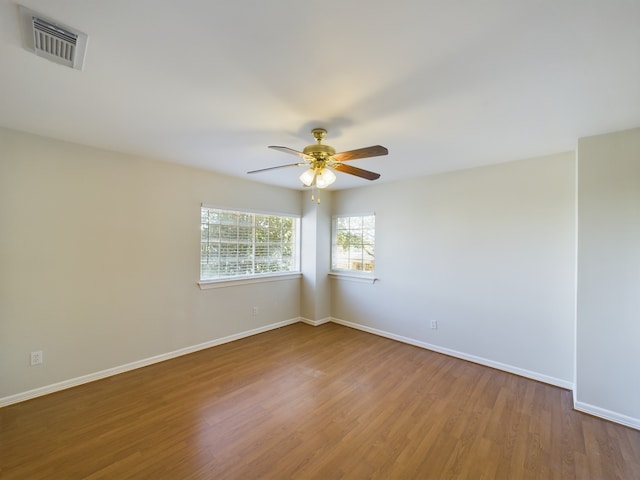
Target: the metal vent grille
(54, 41)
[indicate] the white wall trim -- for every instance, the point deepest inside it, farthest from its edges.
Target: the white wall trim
(353, 277)
(464, 356)
(234, 282)
(74, 382)
(316, 323)
(578, 406)
(607, 415)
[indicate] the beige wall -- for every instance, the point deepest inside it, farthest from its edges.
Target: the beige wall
(488, 253)
(315, 302)
(99, 261)
(608, 320)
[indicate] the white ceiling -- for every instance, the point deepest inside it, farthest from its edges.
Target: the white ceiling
(444, 84)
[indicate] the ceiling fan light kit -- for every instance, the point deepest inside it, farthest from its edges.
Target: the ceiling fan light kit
(324, 178)
(323, 159)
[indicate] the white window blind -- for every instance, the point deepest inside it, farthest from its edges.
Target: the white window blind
(240, 244)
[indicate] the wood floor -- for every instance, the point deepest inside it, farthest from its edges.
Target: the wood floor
(306, 402)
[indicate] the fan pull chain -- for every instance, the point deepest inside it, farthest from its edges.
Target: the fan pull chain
(315, 196)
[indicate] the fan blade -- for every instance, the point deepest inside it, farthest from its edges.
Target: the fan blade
(279, 166)
(358, 172)
(374, 151)
(292, 152)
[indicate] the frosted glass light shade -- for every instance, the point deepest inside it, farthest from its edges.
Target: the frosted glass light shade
(325, 178)
(307, 177)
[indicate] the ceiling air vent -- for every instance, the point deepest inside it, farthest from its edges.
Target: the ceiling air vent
(53, 41)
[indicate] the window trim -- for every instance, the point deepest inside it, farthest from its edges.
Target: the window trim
(247, 280)
(353, 277)
(221, 282)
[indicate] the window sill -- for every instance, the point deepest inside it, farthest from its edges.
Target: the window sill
(353, 277)
(232, 282)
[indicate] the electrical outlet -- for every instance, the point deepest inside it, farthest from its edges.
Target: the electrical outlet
(434, 324)
(255, 311)
(36, 357)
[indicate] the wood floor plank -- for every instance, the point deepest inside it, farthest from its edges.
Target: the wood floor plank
(306, 402)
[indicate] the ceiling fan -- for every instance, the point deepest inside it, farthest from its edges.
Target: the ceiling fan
(322, 159)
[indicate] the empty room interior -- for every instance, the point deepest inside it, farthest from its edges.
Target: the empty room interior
(303, 240)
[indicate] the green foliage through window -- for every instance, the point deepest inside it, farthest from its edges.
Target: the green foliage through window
(353, 247)
(237, 244)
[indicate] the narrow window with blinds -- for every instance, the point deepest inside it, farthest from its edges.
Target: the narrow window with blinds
(353, 244)
(236, 244)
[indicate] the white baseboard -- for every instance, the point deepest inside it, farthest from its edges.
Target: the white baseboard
(607, 414)
(464, 356)
(316, 323)
(579, 406)
(74, 382)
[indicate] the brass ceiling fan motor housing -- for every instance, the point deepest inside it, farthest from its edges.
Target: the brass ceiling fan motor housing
(318, 151)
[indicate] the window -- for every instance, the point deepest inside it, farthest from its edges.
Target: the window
(353, 243)
(240, 244)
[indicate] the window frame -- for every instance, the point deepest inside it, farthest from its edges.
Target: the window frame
(244, 278)
(347, 273)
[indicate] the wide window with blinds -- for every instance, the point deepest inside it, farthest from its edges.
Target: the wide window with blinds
(353, 244)
(244, 243)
